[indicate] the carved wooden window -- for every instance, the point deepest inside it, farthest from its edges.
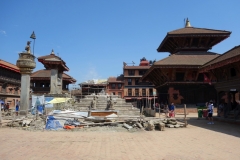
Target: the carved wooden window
(113, 86)
(233, 72)
(119, 85)
(143, 92)
(129, 92)
(151, 92)
(136, 92)
(142, 72)
(136, 81)
(129, 81)
(180, 76)
(131, 72)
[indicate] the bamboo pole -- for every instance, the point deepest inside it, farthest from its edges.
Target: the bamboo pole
(185, 114)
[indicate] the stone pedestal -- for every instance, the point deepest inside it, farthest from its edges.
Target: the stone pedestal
(26, 64)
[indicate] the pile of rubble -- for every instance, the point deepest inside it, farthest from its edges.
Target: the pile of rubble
(58, 120)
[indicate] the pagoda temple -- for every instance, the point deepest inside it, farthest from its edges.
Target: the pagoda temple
(177, 78)
(51, 80)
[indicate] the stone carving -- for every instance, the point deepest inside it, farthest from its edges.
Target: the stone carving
(111, 104)
(26, 63)
(27, 48)
(94, 103)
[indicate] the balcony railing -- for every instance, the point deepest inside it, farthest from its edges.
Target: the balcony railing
(37, 89)
(10, 80)
(9, 93)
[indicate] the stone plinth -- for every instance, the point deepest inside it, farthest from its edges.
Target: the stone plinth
(26, 64)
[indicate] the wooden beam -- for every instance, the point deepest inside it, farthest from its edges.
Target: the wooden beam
(170, 41)
(185, 75)
(152, 77)
(190, 44)
(173, 74)
(159, 79)
(196, 76)
(207, 41)
(153, 80)
(165, 75)
(160, 75)
(215, 41)
(199, 42)
(168, 47)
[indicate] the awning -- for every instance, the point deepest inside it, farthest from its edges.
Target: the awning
(139, 98)
(128, 98)
(59, 100)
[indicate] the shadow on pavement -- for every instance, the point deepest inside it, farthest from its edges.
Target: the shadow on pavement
(218, 126)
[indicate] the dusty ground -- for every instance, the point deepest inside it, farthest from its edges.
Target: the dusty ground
(197, 141)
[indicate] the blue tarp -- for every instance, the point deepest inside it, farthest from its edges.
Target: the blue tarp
(40, 109)
(53, 124)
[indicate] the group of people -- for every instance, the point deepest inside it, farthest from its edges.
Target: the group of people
(5, 107)
(169, 110)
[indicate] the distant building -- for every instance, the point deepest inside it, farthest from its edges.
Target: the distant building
(141, 92)
(93, 86)
(115, 86)
(10, 82)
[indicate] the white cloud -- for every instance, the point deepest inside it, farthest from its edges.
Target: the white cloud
(91, 73)
(3, 32)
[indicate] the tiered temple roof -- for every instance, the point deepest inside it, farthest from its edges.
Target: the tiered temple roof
(52, 59)
(45, 74)
(192, 38)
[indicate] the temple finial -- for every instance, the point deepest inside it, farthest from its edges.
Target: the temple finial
(52, 52)
(187, 23)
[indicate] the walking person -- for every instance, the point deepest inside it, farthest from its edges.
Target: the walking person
(17, 107)
(171, 110)
(210, 112)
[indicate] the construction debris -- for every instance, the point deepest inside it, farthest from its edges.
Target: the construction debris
(76, 120)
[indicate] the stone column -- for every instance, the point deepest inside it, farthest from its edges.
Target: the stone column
(25, 90)
(56, 81)
(54, 78)
(26, 64)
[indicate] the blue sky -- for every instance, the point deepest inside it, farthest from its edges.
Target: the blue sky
(95, 37)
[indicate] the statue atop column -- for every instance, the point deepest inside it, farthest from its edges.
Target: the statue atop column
(27, 48)
(94, 103)
(26, 63)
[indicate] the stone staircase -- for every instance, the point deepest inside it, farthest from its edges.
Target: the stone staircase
(120, 105)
